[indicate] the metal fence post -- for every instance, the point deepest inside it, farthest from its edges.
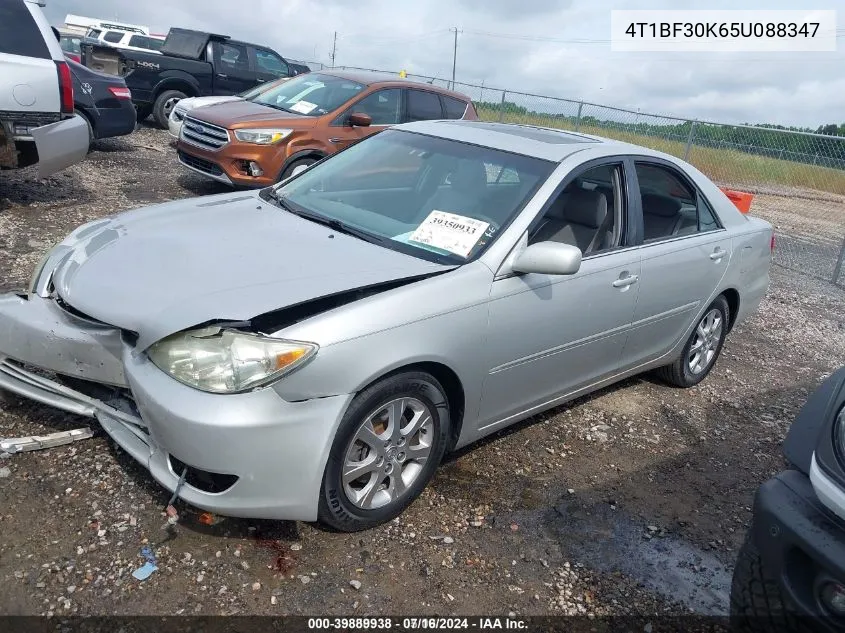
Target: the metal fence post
(502, 106)
(578, 118)
(837, 270)
(689, 139)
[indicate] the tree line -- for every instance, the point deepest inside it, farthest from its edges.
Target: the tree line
(765, 139)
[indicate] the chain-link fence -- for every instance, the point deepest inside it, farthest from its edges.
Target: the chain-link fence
(798, 178)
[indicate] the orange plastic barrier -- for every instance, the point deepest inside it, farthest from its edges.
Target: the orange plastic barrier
(741, 199)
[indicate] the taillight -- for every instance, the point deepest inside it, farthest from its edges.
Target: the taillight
(120, 93)
(65, 87)
(772, 243)
(74, 57)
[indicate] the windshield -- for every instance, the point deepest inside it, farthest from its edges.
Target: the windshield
(312, 94)
(438, 199)
(260, 88)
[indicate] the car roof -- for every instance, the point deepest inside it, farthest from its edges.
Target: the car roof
(530, 140)
(370, 77)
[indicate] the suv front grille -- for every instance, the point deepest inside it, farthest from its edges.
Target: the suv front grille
(204, 134)
(205, 166)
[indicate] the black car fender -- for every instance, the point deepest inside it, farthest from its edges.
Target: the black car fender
(812, 430)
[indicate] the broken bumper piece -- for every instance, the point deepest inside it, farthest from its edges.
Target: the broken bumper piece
(250, 455)
(40, 442)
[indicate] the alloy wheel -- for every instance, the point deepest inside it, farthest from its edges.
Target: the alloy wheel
(706, 342)
(387, 453)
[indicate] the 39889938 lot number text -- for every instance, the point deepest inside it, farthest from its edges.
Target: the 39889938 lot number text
(722, 29)
(422, 623)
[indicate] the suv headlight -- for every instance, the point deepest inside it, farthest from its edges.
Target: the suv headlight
(226, 361)
(268, 136)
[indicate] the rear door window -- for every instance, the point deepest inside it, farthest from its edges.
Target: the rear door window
(454, 108)
(113, 37)
(140, 41)
(232, 56)
(423, 106)
(19, 34)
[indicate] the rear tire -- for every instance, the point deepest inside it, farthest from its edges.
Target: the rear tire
(164, 105)
(142, 113)
(702, 349)
(91, 136)
(386, 449)
(757, 602)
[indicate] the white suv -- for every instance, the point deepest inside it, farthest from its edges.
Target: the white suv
(37, 124)
(131, 40)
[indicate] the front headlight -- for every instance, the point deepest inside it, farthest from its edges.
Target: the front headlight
(226, 361)
(259, 136)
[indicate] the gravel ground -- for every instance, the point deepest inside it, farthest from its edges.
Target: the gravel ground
(634, 500)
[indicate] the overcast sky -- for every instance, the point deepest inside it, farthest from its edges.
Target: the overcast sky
(506, 44)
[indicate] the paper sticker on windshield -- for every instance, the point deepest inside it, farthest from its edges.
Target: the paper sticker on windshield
(303, 107)
(456, 234)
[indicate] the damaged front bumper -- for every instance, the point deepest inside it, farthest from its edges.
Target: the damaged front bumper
(251, 455)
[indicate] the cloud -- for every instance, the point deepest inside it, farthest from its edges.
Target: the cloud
(526, 46)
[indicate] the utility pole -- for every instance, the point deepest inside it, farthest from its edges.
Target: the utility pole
(334, 48)
(454, 55)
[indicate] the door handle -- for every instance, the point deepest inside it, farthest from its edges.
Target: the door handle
(335, 140)
(222, 76)
(261, 81)
(718, 254)
(624, 282)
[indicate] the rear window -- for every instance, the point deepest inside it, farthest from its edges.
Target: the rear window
(141, 41)
(113, 36)
(19, 34)
(455, 108)
(71, 44)
(423, 106)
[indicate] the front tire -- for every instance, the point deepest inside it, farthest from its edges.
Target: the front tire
(386, 450)
(757, 602)
(164, 105)
(703, 347)
(296, 166)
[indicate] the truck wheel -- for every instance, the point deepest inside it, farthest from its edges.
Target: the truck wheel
(164, 106)
(757, 603)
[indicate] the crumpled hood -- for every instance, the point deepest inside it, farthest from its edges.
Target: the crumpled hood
(162, 269)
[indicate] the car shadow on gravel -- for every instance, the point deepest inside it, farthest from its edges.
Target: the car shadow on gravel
(27, 190)
(673, 525)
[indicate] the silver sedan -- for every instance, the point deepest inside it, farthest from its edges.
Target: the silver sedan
(310, 351)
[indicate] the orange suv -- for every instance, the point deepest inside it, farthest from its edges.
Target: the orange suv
(283, 129)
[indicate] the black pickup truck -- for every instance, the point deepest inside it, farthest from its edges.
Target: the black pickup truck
(190, 64)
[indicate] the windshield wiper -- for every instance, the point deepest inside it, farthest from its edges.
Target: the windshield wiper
(277, 107)
(332, 223)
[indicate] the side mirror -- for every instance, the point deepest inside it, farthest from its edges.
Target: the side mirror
(359, 119)
(548, 258)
